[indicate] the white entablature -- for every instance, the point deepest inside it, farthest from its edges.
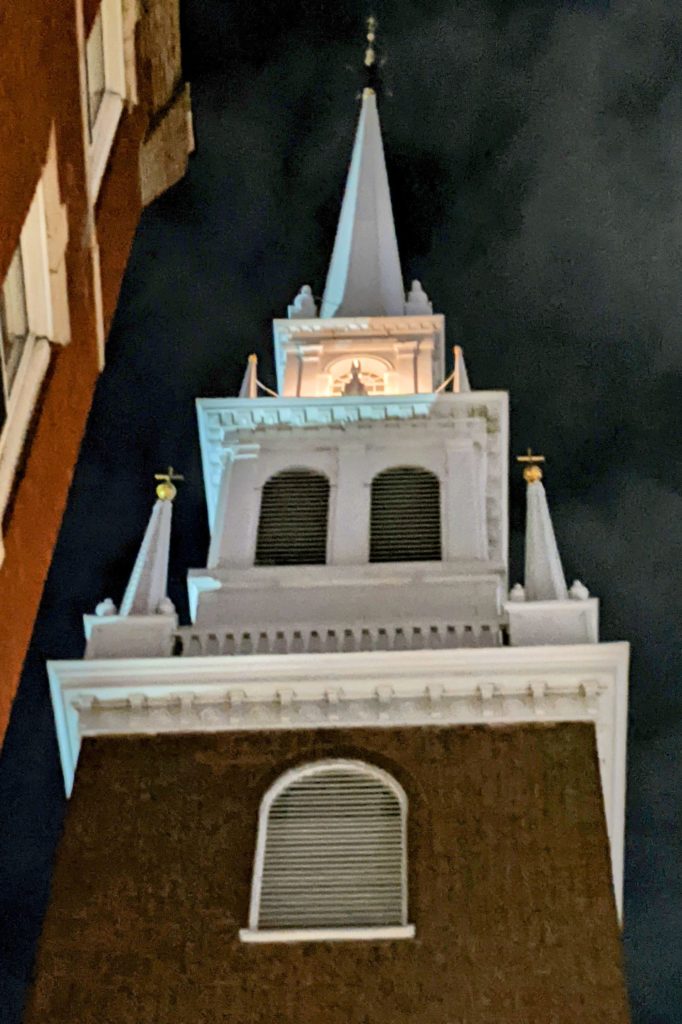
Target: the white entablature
(398, 355)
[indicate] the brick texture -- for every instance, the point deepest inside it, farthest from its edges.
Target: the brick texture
(508, 871)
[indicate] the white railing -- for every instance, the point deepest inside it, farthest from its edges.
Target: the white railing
(188, 641)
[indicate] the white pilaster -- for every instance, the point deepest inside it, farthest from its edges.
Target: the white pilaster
(349, 519)
(236, 523)
(466, 535)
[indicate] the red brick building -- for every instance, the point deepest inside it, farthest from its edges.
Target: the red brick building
(94, 123)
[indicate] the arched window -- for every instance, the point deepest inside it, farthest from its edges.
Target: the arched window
(331, 856)
(292, 528)
(405, 516)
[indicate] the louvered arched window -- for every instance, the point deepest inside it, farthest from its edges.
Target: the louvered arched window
(331, 856)
(405, 516)
(292, 528)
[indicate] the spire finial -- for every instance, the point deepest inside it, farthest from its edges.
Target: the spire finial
(531, 471)
(166, 490)
(370, 61)
(370, 54)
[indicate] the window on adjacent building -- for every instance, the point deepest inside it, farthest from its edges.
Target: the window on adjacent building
(105, 74)
(94, 62)
(13, 321)
(331, 856)
(292, 527)
(405, 516)
(34, 311)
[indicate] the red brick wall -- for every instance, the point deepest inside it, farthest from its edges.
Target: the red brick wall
(509, 881)
(40, 85)
(38, 49)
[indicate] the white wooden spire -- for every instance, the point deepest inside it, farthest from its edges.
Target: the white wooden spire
(364, 277)
(544, 575)
(147, 590)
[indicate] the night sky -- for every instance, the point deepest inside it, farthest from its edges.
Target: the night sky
(535, 158)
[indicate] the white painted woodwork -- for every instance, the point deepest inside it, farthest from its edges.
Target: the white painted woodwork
(103, 130)
(267, 935)
(544, 578)
(406, 351)
(461, 438)
(43, 241)
(553, 622)
(148, 583)
(364, 275)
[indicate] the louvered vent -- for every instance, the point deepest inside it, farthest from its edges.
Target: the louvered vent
(405, 518)
(292, 529)
(334, 851)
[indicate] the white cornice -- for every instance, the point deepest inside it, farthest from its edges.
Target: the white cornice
(312, 329)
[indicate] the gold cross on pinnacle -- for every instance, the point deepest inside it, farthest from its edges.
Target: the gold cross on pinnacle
(166, 490)
(531, 471)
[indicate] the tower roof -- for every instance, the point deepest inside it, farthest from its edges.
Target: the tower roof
(364, 277)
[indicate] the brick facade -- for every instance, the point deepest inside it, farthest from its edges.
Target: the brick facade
(509, 883)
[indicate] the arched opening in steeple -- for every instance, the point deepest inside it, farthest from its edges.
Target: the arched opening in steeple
(372, 373)
(292, 527)
(405, 516)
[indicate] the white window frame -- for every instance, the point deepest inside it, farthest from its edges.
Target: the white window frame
(42, 242)
(256, 934)
(103, 131)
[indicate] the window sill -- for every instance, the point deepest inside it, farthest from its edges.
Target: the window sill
(404, 931)
(103, 134)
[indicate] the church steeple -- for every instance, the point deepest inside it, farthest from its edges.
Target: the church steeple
(364, 277)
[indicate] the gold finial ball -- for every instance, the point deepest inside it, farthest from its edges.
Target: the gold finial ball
(166, 491)
(531, 474)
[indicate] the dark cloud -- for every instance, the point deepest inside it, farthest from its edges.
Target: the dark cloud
(535, 156)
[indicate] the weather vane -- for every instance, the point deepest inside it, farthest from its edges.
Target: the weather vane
(370, 53)
(531, 471)
(166, 490)
(371, 69)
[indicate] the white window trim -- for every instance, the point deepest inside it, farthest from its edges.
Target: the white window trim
(43, 241)
(255, 934)
(35, 357)
(111, 107)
